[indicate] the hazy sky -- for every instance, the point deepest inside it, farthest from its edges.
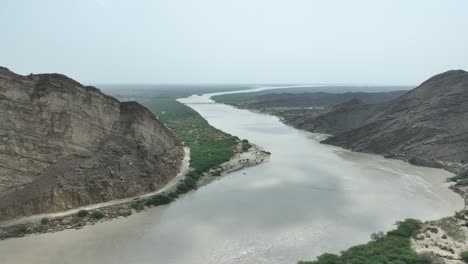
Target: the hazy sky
(235, 41)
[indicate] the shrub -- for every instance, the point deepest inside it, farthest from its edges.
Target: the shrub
(19, 231)
(328, 258)
(97, 214)
(159, 199)
(173, 195)
(420, 161)
(82, 213)
(462, 182)
(181, 189)
(193, 175)
(246, 147)
(464, 256)
(452, 179)
(377, 236)
(44, 220)
(137, 206)
(461, 177)
(430, 258)
(406, 228)
(191, 183)
(394, 247)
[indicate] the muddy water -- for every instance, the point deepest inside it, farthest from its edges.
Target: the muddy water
(309, 199)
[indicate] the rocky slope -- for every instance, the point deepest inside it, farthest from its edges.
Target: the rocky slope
(427, 126)
(64, 145)
(335, 119)
(320, 99)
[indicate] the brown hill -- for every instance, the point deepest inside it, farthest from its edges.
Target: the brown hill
(64, 145)
(427, 126)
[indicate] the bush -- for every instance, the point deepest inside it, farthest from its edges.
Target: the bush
(462, 182)
(159, 199)
(394, 247)
(464, 256)
(430, 258)
(97, 214)
(463, 176)
(138, 206)
(82, 213)
(44, 220)
(173, 195)
(420, 161)
(328, 258)
(191, 183)
(246, 147)
(406, 228)
(19, 231)
(182, 188)
(377, 236)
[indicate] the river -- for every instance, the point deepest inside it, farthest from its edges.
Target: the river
(308, 199)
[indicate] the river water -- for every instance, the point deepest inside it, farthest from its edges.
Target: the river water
(308, 199)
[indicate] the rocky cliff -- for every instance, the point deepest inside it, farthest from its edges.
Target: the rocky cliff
(427, 126)
(64, 145)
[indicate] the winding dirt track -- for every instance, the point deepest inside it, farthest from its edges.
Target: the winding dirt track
(182, 172)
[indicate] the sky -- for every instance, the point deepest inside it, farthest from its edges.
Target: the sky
(235, 41)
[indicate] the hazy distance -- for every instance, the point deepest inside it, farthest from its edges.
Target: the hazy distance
(242, 41)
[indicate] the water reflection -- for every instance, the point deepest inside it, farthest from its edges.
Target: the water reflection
(310, 198)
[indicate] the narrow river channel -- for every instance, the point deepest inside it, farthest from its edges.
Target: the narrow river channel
(308, 199)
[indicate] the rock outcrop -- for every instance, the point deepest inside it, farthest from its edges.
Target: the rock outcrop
(427, 126)
(64, 145)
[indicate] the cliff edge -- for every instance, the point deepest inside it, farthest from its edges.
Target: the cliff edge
(64, 145)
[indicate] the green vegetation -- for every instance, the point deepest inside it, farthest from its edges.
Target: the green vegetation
(139, 205)
(245, 145)
(159, 199)
(82, 213)
(44, 220)
(461, 178)
(418, 160)
(464, 256)
(394, 247)
(209, 147)
(18, 231)
(97, 214)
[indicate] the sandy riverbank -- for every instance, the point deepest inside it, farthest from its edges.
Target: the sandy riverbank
(254, 156)
(445, 238)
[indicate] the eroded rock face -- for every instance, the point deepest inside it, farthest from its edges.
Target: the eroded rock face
(63, 145)
(427, 126)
